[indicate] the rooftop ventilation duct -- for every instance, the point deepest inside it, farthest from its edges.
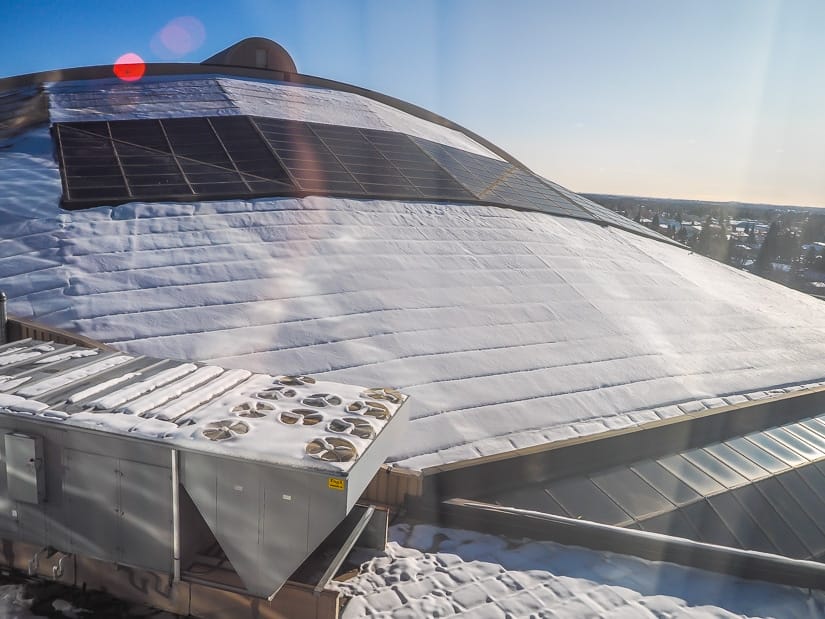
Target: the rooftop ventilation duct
(255, 53)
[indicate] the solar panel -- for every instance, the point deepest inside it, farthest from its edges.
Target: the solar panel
(477, 174)
(311, 164)
(428, 177)
(182, 158)
(89, 164)
(499, 182)
(360, 162)
(604, 214)
(243, 156)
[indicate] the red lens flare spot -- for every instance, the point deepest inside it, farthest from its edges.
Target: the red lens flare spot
(129, 67)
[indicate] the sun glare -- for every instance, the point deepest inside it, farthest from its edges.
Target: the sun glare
(129, 67)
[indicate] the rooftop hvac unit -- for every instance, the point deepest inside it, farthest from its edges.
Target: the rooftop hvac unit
(141, 461)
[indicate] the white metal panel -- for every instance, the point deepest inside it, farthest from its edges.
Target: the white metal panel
(90, 493)
(24, 467)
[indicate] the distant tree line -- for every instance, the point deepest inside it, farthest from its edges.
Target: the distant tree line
(781, 244)
(790, 229)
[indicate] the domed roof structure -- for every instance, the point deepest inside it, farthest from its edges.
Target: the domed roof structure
(257, 53)
(267, 220)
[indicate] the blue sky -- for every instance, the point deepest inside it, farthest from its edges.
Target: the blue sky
(700, 99)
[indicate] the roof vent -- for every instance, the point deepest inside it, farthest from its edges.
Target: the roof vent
(255, 53)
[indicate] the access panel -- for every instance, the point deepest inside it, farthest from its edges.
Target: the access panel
(24, 468)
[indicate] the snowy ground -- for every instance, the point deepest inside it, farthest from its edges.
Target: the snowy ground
(433, 572)
(22, 598)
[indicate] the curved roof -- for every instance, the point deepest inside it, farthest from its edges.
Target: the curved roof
(508, 328)
(255, 52)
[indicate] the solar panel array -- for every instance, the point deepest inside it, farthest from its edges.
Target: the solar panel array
(500, 182)
(172, 159)
(763, 491)
(112, 162)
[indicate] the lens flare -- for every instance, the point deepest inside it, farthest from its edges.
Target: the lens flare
(178, 37)
(129, 67)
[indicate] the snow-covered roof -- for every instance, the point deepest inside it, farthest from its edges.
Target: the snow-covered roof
(508, 328)
(292, 421)
(205, 95)
(430, 571)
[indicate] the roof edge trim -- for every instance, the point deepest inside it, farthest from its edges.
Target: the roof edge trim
(481, 475)
(734, 562)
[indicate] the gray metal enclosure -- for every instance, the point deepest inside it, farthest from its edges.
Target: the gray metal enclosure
(105, 497)
(116, 495)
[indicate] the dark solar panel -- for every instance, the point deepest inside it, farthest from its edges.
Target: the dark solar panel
(428, 177)
(89, 164)
(180, 158)
(475, 173)
(604, 214)
(525, 189)
(311, 164)
(360, 162)
(111, 162)
(499, 182)
(362, 159)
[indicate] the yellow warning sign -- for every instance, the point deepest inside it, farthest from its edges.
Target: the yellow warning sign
(337, 484)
